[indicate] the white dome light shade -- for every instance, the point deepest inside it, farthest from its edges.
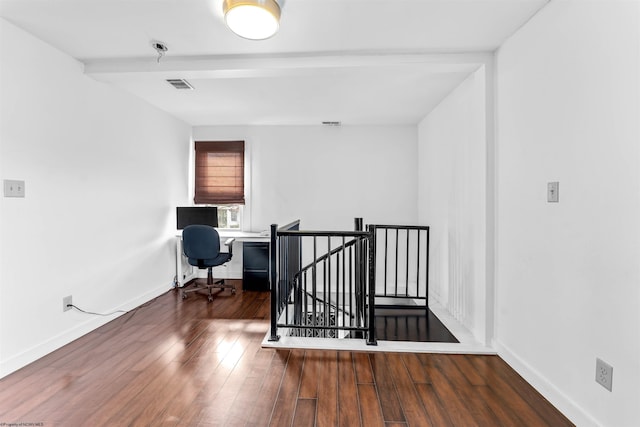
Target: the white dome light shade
(252, 19)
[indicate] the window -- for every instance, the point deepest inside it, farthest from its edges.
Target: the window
(229, 216)
(219, 179)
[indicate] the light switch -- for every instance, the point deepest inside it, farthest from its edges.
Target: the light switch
(553, 189)
(13, 188)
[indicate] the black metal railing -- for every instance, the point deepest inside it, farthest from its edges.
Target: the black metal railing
(328, 295)
(329, 283)
(401, 258)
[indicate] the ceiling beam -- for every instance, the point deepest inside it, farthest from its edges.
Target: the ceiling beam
(277, 65)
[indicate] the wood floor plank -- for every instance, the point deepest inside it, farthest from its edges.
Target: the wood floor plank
(179, 409)
(241, 409)
(238, 361)
(476, 406)
(305, 415)
(507, 394)
(412, 406)
(288, 393)
(94, 382)
(436, 410)
(456, 406)
(468, 370)
(309, 382)
(263, 312)
(370, 409)
(264, 401)
(150, 399)
(70, 353)
(159, 400)
(327, 409)
(19, 387)
(82, 404)
(219, 389)
(415, 368)
(364, 374)
(348, 404)
(389, 401)
(503, 413)
(550, 414)
(510, 392)
(37, 399)
(253, 308)
(126, 394)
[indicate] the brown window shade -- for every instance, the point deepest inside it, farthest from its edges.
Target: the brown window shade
(219, 172)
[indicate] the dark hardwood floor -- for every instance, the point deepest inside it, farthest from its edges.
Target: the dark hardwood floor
(192, 363)
(410, 324)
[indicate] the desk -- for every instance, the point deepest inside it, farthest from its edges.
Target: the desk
(255, 268)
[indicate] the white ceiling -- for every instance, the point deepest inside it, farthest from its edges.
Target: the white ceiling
(354, 61)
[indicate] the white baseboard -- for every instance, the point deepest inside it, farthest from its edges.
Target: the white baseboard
(561, 401)
(40, 350)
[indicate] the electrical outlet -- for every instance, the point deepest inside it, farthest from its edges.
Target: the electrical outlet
(66, 303)
(604, 374)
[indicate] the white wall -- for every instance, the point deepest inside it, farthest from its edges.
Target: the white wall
(569, 273)
(327, 176)
(104, 172)
(452, 200)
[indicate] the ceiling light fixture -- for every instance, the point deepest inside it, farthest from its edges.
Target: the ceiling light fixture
(252, 19)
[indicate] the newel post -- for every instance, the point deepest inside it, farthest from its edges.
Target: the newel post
(273, 282)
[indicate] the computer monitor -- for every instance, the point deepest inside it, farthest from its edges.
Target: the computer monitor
(190, 215)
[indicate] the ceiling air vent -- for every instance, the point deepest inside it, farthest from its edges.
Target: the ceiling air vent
(180, 84)
(331, 123)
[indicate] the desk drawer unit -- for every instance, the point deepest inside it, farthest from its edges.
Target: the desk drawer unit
(255, 268)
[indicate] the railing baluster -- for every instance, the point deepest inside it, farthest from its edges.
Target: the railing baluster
(371, 324)
(283, 267)
(396, 269)
(406, 289)
(418, 264)
(327, 288)
(351, 288)
(386, 252)
(344, 283)
(337, 288)
(306, 299)
(314, 281)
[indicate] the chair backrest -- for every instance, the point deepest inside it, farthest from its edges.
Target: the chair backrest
(200, 242)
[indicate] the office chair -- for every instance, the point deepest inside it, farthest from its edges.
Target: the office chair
(201, 246)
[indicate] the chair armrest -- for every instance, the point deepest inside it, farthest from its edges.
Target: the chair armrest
(229, 243)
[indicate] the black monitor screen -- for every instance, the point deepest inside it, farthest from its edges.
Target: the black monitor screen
(196, 215)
